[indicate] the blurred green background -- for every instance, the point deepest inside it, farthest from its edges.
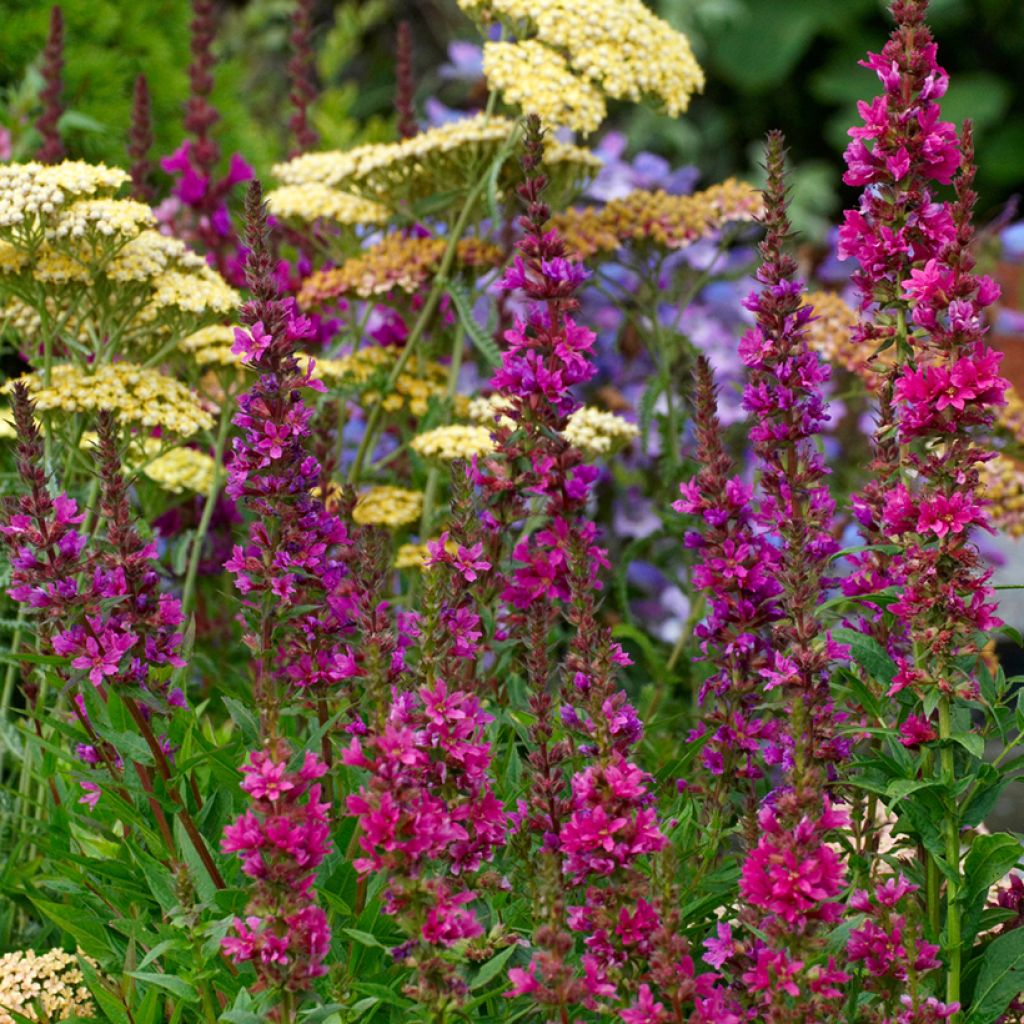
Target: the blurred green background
(770, 63)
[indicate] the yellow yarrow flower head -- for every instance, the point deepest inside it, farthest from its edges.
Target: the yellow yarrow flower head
(181, 469)
(150, 254)
(32, 194)
(414, 556)
(397, 261)
(138, 396)
(212, 346)
(388, 506)
(311, 201)
(43, 986)
(656, 219)
(490, 409)
(438, 162)
(458, 441)
(617, 46)
(537, 79)
(1001, 485)
(596, 432)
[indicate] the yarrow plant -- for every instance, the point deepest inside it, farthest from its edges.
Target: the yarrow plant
(459, 590)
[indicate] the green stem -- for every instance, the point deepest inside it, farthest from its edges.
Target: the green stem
(191, 574)
(426, 313)
(951, 828)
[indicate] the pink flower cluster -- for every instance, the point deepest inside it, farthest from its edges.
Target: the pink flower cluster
(915, 270)
(281, 839)
(427, 812)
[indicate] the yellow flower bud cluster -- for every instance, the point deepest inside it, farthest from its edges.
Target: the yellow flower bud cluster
(596, 432)
(414, 556)
(457, 441)
(138, 396)
(831, 334)
(1001, 484)
(43, 986)
(181, 469)
(537, 79)
(657, 218)
(203, 292)
(150, 254)
(388, 506)
(437, 161)
(617, 46)
(486, 409)
(211, 346)
(8, 432)
(311, 200)
(107, 217)
(420, 381)
(31, 191)
(12, 259)
(396, 261)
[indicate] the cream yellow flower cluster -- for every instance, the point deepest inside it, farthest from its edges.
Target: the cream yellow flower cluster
(413, 556)
(396, 261)
(31, 190)
(419, 381)
(1001, 484)
(437, 161)
(596, 432)
(312, 200)
(537, 79)
(138, 396)
(150, 254)
(487, 409)
(211, 346)
(830, 333)
(388, 506)
(181, 469)
(43, 987)
(7, 428)
(657, 218)
(103, 216)
(617, 46)
(62, 226)
(457, 441)
(176, 469)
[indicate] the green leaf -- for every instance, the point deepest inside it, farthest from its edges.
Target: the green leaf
(175, 985)
(971, 742)
(866, 652)
(89, 933)
(491, 969)
(364, 938)
(1000, 980)
(482, 341)
(108, 1003)
(989, 860)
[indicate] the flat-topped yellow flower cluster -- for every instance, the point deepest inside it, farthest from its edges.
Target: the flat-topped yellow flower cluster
(656, 219)
(568, 55)
(43, 987)
(397, 261)
(440, 161)
(75, 259)
(138, 396)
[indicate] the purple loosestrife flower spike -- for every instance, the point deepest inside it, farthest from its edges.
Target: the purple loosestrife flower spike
(915, 272)
(200, 114)
(140, 141)
(51, 149)
(302, 77)
(299, 607)
(405, 82)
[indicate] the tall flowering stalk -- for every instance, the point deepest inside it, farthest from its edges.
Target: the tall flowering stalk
(198, 188)
(792, 876)
(51, 148)
(915, 273)
(140, 141)
(298, 608)
(301, 74)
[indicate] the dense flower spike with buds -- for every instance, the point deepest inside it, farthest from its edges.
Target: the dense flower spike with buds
(301, 73)
(140, 141)
(51, 148)
(281, 840)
